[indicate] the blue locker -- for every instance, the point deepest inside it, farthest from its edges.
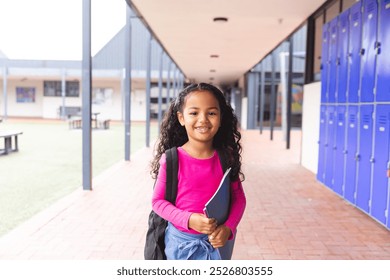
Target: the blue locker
(388, 218)
(339, 157)
(369, 43)
(354, 45)
(324, 64)
(363, 183)
(351, 153)
(379, 192)
(332, 60)
(329, 145)
(342, 54)
(383, 58)
(321, 145)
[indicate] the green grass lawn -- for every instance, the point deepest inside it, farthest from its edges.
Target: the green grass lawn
(49, 164)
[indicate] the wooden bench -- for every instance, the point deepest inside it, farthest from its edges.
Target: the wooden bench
(76, 123)
(104, 124)
(8, 135)
(69, 111)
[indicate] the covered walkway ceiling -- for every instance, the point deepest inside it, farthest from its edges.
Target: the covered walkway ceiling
(253, 28)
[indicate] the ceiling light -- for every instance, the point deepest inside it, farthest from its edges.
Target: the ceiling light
(212, 70)
(211, 78)
(214, 56)
(220, 19)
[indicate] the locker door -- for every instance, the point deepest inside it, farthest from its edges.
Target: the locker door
(383, 58)
(369, 42)
(321, 145)
(342, 54)
(324, 64)
(329, 146)
(381, 159)
(364, 155)
(351, 151)
(339, 151)
(354, 45)
(332, 60)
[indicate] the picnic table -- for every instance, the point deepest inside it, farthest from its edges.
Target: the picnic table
(75, 122)
(8, 147)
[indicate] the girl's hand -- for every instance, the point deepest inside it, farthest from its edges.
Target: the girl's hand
(219, 237)
(201, 223)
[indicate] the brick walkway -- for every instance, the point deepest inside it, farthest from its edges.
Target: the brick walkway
(289, 215)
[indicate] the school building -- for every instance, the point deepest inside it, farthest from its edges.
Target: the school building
(325, 70)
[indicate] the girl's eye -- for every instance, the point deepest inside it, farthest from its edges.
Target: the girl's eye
(193, 113)
(212, 113)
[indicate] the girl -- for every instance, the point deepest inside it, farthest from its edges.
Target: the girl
(199, 122)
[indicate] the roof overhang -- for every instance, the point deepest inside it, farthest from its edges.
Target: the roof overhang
(188, 33)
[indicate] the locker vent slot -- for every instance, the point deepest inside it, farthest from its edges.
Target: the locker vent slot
(352, 118)
(355, 16)
(343, 24)
(371, 7)
(366, 118)
(382, 120)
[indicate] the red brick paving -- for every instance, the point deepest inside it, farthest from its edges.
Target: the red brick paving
(289, 214)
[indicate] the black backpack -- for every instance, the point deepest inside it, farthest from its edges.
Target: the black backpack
(155, 245)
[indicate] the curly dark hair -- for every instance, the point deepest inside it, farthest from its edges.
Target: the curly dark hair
(227, 139)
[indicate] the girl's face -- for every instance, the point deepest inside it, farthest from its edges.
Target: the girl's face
(201, 116)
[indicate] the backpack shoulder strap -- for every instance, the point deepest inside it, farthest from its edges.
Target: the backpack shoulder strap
(172, 169)
(223, 160)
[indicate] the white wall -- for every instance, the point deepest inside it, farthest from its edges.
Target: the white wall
(112, 109)
(310, 125)
(14, 109)
(51, 105)
(47, 106)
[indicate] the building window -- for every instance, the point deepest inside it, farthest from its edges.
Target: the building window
(54, 88)
(102, 96)
(318, 25)
(25, 94)
(72, 88)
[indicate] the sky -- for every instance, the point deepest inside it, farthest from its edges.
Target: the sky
(52, 29)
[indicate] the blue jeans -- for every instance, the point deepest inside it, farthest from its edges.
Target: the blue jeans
(186, 246)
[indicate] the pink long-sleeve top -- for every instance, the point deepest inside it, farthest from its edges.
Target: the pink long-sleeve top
(198, 179)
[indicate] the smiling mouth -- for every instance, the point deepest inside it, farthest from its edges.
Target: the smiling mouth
(202, 129)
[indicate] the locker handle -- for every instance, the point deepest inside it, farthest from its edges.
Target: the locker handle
(372, 160)
(378, 47)
(357, 157)
(334, 147)
(388, 169)
(362, 51)
(345, 152)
